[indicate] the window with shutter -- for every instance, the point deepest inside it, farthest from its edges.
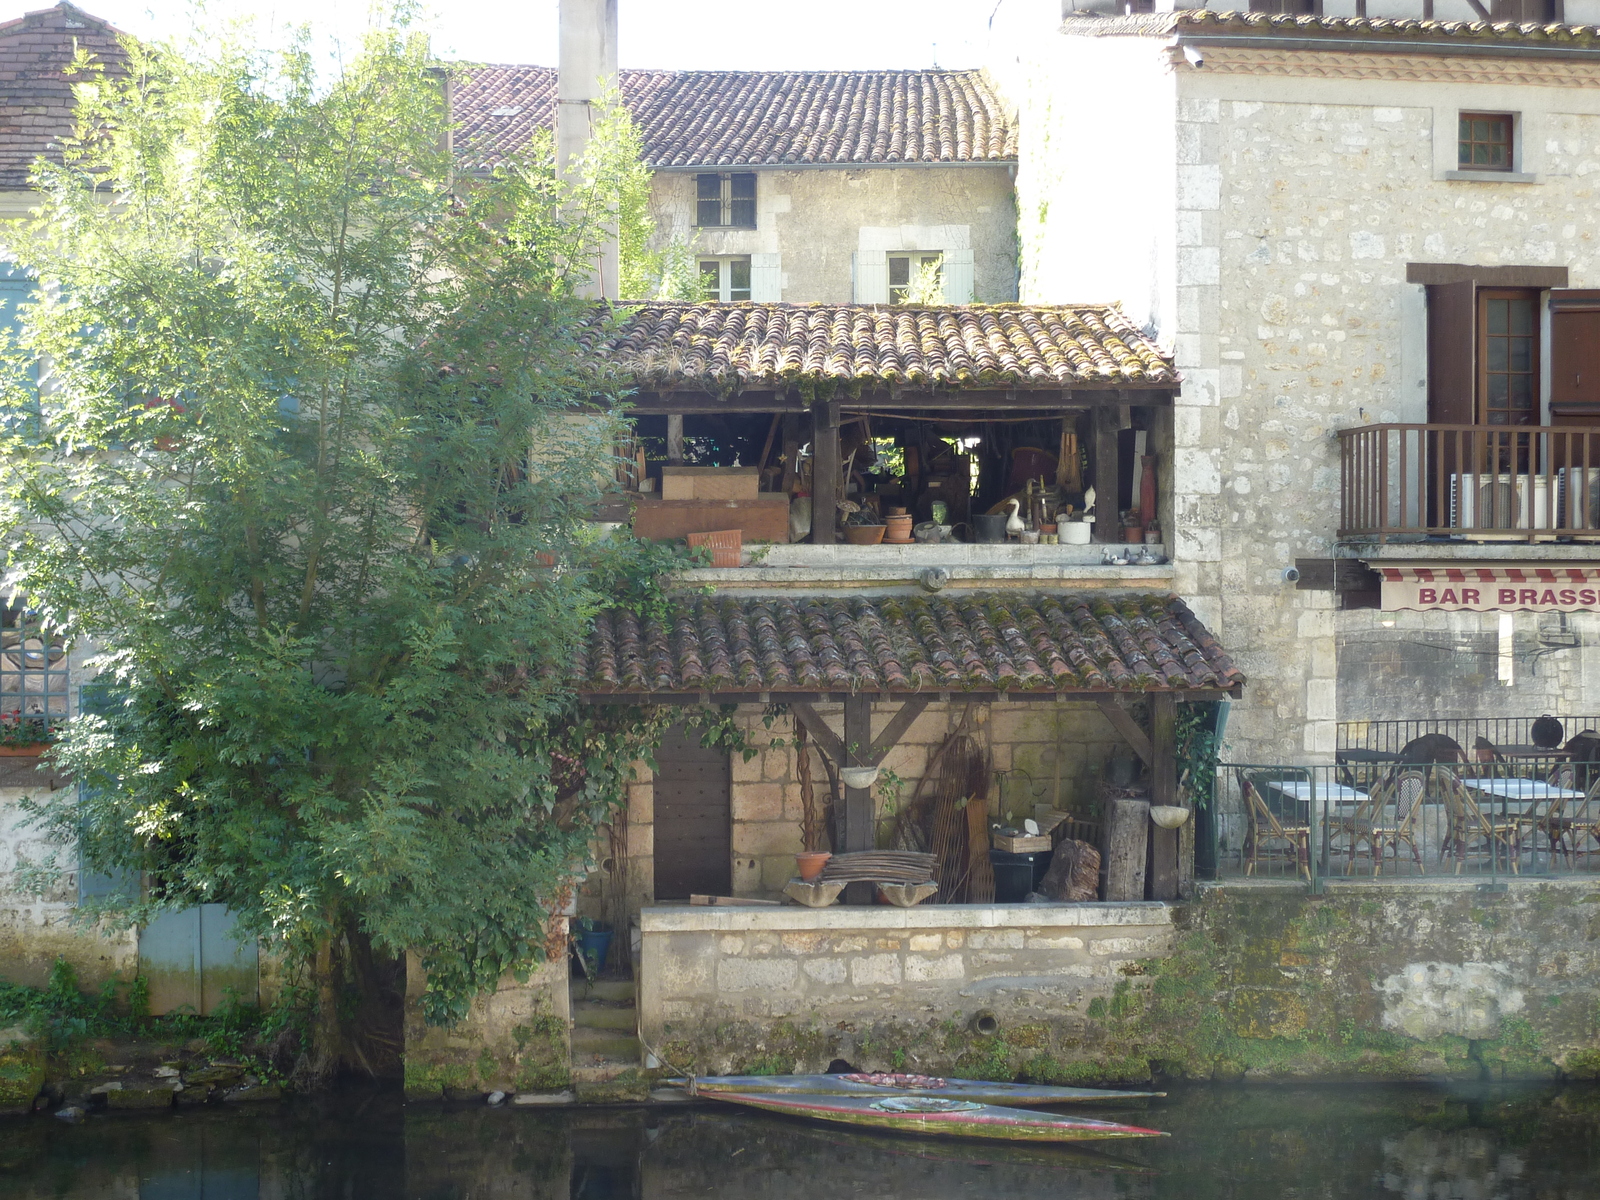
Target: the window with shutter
(1451, 359)
(725, 201)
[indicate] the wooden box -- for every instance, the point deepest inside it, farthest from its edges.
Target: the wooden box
(710, 483)
(1022, 843)
(763, 519)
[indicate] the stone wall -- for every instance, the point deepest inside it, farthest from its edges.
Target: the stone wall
(960, 989)
(35, 928)
(817, 221)
(1436, 979)
(517, 1039)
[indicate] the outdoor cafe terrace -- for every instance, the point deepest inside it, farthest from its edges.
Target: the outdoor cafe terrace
(1487, 798)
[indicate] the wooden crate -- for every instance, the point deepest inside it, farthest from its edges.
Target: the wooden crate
(764, 519)
(710, 483)
(724, 545)
(1022, 843)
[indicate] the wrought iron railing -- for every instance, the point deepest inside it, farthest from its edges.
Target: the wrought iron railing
(1480, 482)
(1378, 820)
(1508, 735)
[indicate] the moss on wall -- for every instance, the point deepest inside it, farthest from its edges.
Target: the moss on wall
(1263, 983)
(22, 1074)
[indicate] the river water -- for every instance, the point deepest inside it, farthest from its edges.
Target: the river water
(1238, 1143)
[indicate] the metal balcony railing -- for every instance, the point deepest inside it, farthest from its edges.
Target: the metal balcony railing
(1477, 482)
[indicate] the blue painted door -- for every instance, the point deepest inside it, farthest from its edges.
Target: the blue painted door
(192, 960)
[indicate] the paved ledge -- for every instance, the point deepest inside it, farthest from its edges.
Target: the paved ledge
(949, 555)
(692, 919)
(799, 581)
(1389, 886)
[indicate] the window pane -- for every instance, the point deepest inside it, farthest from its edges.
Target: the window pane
(1497, 353)
(708, 187)
(1521, 316)
(899, 270)
(708, 212)
(739, 277)
(1521, 391)
(1521, 354)
(1498, 391)
(711, 280)
(743, 212)
(1499, 316)
(744, 186)
(1499, 418)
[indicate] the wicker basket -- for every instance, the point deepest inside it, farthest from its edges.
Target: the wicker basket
(725, 545)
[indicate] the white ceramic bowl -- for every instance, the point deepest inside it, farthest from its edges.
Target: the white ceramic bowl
(1168, 816)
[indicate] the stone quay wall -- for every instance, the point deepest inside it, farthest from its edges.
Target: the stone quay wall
(975, 990)
(1433, 980)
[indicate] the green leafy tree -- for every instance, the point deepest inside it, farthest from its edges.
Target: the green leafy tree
(315, 456)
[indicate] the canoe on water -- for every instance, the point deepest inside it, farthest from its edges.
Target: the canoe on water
(1013, 1095)
(940, 1116)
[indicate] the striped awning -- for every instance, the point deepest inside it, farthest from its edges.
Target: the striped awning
(1492, 587)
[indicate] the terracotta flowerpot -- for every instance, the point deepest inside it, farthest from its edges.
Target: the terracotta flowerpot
(811, 863)
(32, 750)
(897, 529)
(863, 535)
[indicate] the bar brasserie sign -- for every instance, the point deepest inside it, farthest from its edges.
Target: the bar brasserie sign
(1493, 588)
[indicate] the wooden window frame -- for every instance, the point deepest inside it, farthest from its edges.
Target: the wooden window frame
(915, 260)
(734, 201)
(725, 265)
(1466, 164)
(1481, 411)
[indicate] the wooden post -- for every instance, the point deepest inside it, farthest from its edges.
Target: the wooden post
(1107, 486)
(792, 441)
(824, 471)
(859, 833)
(675, 439)
(1163, 874)
(1127, 834)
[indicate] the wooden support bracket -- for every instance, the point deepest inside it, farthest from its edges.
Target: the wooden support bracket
(1128, 728)
(896, 728)
(826, 739)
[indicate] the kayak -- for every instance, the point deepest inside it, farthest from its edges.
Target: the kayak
(940, 1117)
(1013, 1095)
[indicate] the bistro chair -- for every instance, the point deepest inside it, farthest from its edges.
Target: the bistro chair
(1467, 826)
(1262, 827)
(1405, 790)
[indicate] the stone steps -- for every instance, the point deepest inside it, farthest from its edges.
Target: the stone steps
(589, 1043)
(602, 989)
(588, 1015)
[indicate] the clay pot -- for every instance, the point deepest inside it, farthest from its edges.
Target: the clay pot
(811, 863)
(33, 750)
(1133, 533)
(863, 535)
(897, 528)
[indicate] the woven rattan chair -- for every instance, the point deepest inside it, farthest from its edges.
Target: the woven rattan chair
(1567, 824)
(1467, 826)
(1405, 790)
(1261, 827)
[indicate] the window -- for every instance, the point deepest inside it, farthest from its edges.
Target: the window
(1300, 8)
(726, 201)
(33, 671)
(1508, 357)
(725, 278)
(1541, 11)
(1484, 142)
(906, 272)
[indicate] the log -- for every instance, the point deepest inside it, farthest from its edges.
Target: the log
(1074, 873)
(1127, 833)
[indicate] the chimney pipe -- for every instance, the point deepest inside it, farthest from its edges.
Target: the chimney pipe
(588, 68)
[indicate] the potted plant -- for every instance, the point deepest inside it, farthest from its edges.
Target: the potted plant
(24, 735)
(812, 857)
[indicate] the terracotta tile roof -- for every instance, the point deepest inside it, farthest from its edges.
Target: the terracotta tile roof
(1201, 21)
(1044, 642)
(757, 118)
(35, 94)
(731, 347)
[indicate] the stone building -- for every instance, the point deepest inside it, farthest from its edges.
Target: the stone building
(809, 186)
(1368, 240)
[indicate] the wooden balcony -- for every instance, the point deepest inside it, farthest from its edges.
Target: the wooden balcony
(1473, 482)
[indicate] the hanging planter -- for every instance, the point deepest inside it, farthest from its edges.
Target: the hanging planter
(24, 736)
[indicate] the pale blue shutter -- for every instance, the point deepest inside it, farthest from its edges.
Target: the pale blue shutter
(16, 289)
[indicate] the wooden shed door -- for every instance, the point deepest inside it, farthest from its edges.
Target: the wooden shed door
(693, 819)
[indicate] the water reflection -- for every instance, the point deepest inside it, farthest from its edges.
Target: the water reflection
(1234, 1143)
